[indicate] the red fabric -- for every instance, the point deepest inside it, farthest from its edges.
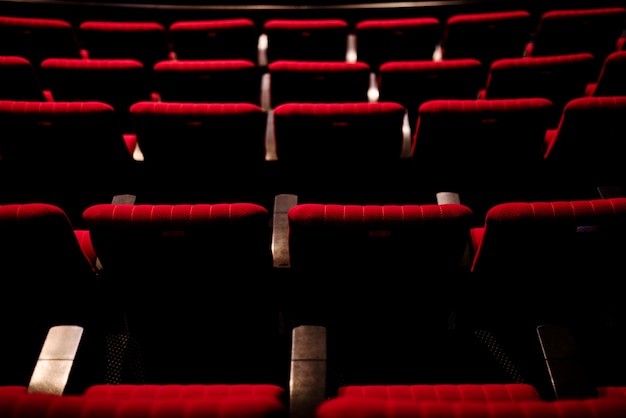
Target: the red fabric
(344, 407)
(217, 24)
(300, 24)
(42, 237)
(34, 22)
(445, 392)
(450, 65)
(337, 108)
(549, 233)
(203, 65)
(94, 64)
(611, 81)
(369, 237)
(54, 107)
(318, 66)
(194, 108)
(121, 26)
(582, 119)
(73, 406)
(612, 391)
(490, 16)
(179, 391)
(171, 216)
(400, 23)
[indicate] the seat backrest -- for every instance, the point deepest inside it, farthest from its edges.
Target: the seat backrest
(306, 39)
(37, 39)
(182, 334)
(20, 81)
(318, 82)
(187, 391)
(342, 132)
(357, 238)
(40, 255)
(590, 30)
(401, 39)
(117, 82)
(145, 42)
(217, 39)
(611, 81)
(134, 238)
(495, 142)
(82, 134)
(217, 81)
(588, 145)
(75, 154)
(554, 238)
(487, 392)
(558, 78)
(598, 408)
(197, 152)
(47, 405)
(182, 134)
(412, 83)
(486, 36)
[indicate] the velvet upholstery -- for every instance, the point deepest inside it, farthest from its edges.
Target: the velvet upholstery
(208, 81)
(396, 39)
(318, 82)
(377, 408)
(486, 36)
(306, 39)
(117, 82)
(214, 39)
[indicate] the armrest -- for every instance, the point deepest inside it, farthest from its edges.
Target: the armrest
(307, 380)
(448, 197)
(280, 229)
(56, 359)
(121, 199)
(563, 363)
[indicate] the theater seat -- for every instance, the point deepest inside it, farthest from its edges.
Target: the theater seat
(42, 256)
(215, 39)
(47, 406)
(199, 327)
(596, 408)
(318, 82)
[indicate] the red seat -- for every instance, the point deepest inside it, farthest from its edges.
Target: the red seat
(318, 82)
(45, 406)
(486, 150)
(306, 39)
(558, 78)
(20, 80)
(611, 81)
(357, 408)
(412, 83)
(38, 38)
(585, 150)
(76, 154)
(117, 82)
(208, 81)
(402, 39)
(179, 334)
(215, 39)
(42, 254)
(487, 392)
(590, 30)
(486, 36)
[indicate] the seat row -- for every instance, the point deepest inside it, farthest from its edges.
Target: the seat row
(123, 82)
(488, 151)
(143, 283)
(483, 36)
